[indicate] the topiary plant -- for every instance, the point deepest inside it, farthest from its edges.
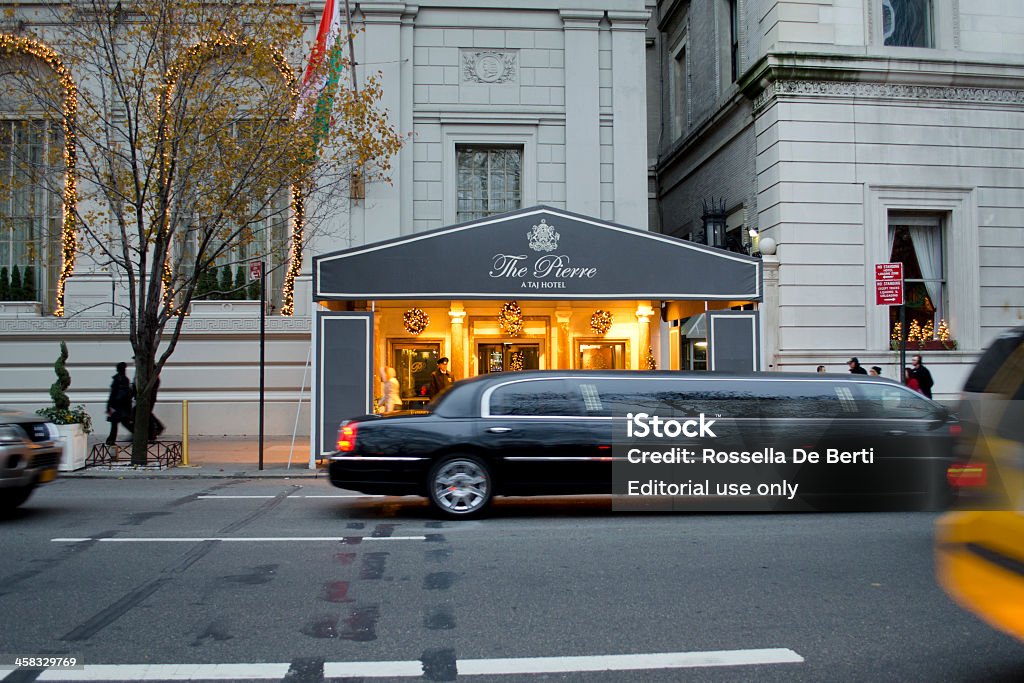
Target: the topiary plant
(58, 390)
(61, 412)
(5, 284)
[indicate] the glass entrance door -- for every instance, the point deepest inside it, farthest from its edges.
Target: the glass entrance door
(413, 363)
(507, 356)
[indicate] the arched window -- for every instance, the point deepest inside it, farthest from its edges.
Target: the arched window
(31, 183)
(232, 203)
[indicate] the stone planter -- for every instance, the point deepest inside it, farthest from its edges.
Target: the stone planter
(21, 309)
(76, 447)
(225, 309)
(927, 345)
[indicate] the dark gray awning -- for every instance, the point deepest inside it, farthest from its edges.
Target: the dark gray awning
(538, 253)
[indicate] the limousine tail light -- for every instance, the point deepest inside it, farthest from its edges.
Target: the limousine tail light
(347, 437)
(964, 475)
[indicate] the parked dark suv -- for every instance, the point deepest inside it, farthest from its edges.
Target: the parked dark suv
(561, 432)
(29, 456)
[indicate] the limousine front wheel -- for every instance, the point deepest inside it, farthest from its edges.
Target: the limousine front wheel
(460, 486)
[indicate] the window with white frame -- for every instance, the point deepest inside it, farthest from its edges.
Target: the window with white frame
(734, 40)
(264, 237)
(258, 232)
(30, 210)
(489, 180)
(907, 23)
(918, 242)
(678, 93)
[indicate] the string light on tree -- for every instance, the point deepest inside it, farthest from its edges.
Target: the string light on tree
(516, 361)
(20, 45)
(914, 334)
(231, 45)
(511, 319)
(943, 332)
(652, 363)
(601, 322)
(415, 320)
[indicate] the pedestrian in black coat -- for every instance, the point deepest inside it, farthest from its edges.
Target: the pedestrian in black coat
(119, 403)
(923, 376)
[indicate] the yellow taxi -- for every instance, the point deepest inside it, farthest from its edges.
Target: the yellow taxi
(980, 546)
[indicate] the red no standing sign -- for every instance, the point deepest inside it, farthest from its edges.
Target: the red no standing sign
(889, 284)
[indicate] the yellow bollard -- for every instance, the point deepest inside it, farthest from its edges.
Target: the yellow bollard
(184, 433)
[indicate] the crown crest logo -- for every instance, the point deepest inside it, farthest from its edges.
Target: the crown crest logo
(543, 237)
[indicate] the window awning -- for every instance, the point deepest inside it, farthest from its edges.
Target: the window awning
(536, 253)
(695, 327)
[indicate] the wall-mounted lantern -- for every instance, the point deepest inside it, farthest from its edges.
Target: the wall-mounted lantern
(714, 223)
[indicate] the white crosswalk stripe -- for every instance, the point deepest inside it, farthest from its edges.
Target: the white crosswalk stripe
(414, 669)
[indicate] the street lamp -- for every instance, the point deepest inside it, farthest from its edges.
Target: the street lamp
(714, 223)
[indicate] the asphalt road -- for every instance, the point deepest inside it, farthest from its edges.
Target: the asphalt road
(288, 581)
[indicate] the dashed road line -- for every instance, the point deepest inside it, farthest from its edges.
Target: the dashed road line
(259, 539)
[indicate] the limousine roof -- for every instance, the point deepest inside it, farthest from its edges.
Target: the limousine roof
(674, 374)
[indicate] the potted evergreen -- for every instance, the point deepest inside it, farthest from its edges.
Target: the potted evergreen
(73, 424)
(18, 292)
(221, 293)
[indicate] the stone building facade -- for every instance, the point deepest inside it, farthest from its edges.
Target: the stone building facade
(853, 133)
(550, 96)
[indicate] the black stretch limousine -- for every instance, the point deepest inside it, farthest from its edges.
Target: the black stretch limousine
(567, 432)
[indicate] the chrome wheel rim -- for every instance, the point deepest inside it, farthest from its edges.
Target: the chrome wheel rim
(461, 486)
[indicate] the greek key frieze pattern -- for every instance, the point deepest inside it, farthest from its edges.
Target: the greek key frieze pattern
(119, 326)
(887, 91)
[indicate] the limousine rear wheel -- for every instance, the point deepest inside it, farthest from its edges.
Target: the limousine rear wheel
(460, 485)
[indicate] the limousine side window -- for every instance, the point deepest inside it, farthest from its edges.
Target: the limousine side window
(606, 397)
(893, 402)
(804, 399)
(536, 398)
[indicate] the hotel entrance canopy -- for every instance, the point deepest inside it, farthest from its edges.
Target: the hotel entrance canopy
(537, 253)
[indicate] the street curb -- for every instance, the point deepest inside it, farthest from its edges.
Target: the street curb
(173, 473)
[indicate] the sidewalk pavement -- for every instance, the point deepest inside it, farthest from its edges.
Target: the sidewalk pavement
(222, 457)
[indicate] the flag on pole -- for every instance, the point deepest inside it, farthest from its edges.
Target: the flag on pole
(323, 70)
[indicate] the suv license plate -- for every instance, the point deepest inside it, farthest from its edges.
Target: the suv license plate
(47, 475)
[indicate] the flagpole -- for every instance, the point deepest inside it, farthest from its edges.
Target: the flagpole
(351, 48)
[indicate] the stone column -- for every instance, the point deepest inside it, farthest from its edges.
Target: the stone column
(458, 365)
(381, 50)
(563, 317)
(582, 112)
(644, 312)
(629, 128)
(769, 313)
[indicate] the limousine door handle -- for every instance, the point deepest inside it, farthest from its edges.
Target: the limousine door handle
(895, 432)
(499, 430)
